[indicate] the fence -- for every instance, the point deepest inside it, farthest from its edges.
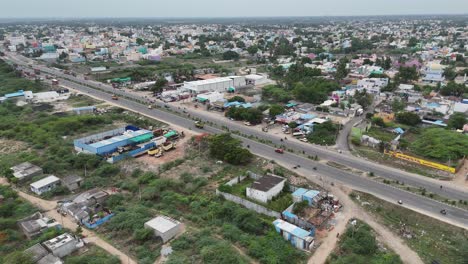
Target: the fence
(248, 204)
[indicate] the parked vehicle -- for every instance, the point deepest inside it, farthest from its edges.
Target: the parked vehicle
(55, 82)
(265, 129)
(154, 151)
(114, 97)
(168, 146)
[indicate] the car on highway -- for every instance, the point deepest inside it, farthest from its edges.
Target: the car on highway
(199, 124)
(279, 150)
(114, 97)
(400, 202)
(443, 211)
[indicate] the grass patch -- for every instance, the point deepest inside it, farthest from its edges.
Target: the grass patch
(432, 239)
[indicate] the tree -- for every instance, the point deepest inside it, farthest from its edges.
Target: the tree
(275, 110)
(450, 73)
(140, 41)
(252, 50)
(341, 71)
(457, 121)
(230, 55)
(378, 121)
(237, 98)
(18, 257)
(229, 149)
(407, 74)
(159, 85)
(408, 118)
(453, 89)
(398, 105)
(240, 44)
(387, 64)
(412, 42)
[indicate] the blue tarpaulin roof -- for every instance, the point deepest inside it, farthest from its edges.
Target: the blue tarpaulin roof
(289, 214)
(399, 130)
(299, 192)
(307, 116)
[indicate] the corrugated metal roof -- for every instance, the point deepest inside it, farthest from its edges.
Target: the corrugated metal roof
(128, 135)
(311, 193)
(292, 229)
(44, 182)
(299, 192)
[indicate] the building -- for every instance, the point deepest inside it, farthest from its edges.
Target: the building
(265, 188)
(84, 110)
(62, 245)
(72, 182)
(85, 205)
(372, 85)
(164, 227)
(311, 196)
(433, 73)
(210, 97)
(26, 171)
(45, 185)
(108, 142)
(36, 252)
(298, 237)
(221, 84)
(34, 225)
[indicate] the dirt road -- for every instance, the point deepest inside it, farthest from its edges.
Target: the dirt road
(90, 237)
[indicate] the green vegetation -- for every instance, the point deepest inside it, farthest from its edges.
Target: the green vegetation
(251, 115)
(358, 245)
(457, 121)
(225, 147)
(275, 93)
(431, 239)
(94, 255)
(440, 144)
(10, 81)
(202, 247)
(324, 134)
(408, 118)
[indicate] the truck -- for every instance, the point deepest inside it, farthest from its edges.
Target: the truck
(168, 146)
(154, 151)
(199, 124)
(55, 82)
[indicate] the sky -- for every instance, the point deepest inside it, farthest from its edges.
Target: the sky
(225, 8)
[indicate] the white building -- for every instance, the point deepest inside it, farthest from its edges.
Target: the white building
(255, 79)
(372, 85)
(210, 97)
(45, 185)
(62, 245)
(265, 188)
(164, 227)
(221, 84)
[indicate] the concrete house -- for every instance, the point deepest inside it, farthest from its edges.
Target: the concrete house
(164, 227)
(34, 225)
(45, 185)
(26, 171)
(265, 188)
(72, 182)
(62, 245)
(298, 237)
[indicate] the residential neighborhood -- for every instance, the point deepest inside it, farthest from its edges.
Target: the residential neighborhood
(262, 139)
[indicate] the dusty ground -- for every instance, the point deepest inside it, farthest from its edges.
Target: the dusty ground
(8, 146)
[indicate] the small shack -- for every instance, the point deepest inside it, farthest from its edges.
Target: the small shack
(164, 227)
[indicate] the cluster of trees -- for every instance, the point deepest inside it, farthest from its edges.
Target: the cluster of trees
(314, 90)
(252, 115)
(457, 121)
(324, 134)
(231, 55)
(358, 245)
(440, 144)
(273, 93)
(362, 98)
(408, 118)
(225, 147)
(406, 74)
(453, 89)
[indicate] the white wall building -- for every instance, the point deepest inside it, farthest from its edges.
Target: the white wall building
(372, 85)
(62, 245)
(45, 185)
(265, 188)
(220, 84)
(164, 227)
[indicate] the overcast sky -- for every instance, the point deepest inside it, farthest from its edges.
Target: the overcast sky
(225, 8)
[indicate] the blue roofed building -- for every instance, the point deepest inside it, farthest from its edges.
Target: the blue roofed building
(299, 238)
(108, 142)
(311, 196)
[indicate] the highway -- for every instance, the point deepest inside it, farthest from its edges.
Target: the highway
(330, 174)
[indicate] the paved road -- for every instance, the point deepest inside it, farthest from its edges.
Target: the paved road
(426, 205)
